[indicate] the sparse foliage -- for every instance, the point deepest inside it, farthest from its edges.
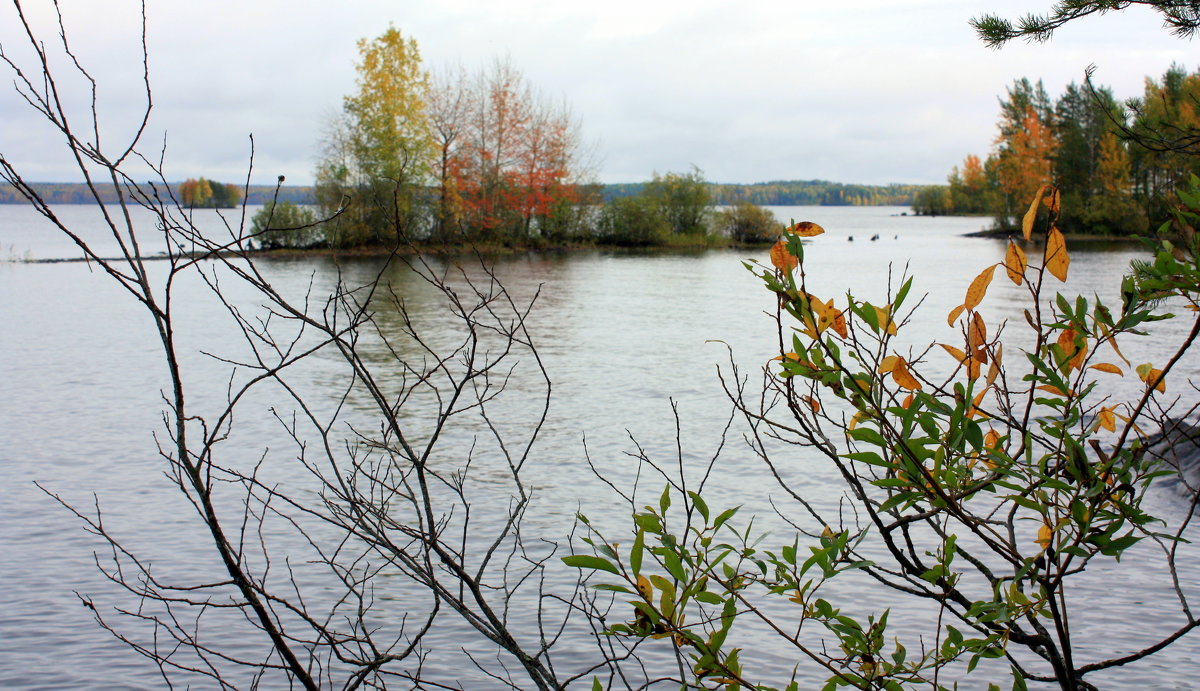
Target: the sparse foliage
(982, 477)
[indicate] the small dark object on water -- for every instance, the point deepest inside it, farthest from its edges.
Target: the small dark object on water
(874, 237)
(851, 238)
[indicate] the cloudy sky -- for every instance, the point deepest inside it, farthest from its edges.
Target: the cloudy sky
(874, 91)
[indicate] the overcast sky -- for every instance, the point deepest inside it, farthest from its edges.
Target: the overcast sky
(874, 91)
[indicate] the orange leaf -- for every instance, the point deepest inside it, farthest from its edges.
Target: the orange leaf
(1107, 419)
(1074, 352)
(839, 324)
(1056, 258)
(972, 369)
(806, 229)
(1048, 388)
(903, 378)
(991, 440)
(954, 314)
(975, 411)
(1054, 200)
(1015, 262)
(977, 339)
(1031, 215)
(979, 288)
(993, 371)
(1105, 367)
(812, 403)
(782, 259)
(888, 364)
(907, 402)
(954, 352)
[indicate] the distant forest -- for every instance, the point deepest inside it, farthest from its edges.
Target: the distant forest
(775, 193)
(78, 193)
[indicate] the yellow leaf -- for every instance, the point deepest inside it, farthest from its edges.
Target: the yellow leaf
(1054, 201)
(860, 416)
(1133, 424)
(645, 589)
(1049, 388)
(1153, 377)
(813, 404)
(1105, 367)
(1112, 342)
(1056, 258)
(827, 533)
(889, 363)
(1031, 215)
(954, 314)
(991, 440)
(978, 288)
(993, 371)
(954, 352)
(972, 369)
(1107, 419)
(782, 259)
(903, 377)
(787, 356)
(884, 316)
(806, 229)
(1015, 262)
(1045, 535)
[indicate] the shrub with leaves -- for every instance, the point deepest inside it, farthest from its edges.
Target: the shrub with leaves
(977, 481)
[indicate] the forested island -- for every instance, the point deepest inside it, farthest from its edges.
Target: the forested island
(1119, 164)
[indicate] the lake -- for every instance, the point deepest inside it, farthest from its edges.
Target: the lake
(622, 334)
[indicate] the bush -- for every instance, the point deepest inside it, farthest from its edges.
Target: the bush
(286, 225)
(633, 222)
(749, 223)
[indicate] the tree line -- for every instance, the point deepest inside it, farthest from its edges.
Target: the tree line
(79, 193)
(1118, 164)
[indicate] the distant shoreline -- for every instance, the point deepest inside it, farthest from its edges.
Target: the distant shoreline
(776, 193)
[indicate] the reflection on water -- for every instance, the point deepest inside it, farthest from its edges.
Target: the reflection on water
(621, 334)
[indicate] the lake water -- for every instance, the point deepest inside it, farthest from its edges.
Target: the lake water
(622, 335)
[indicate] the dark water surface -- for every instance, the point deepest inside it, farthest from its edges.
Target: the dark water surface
(622, 334)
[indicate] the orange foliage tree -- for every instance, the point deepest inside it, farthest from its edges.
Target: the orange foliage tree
(509, 158)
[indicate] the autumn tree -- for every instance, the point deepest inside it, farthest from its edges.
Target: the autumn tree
(511, 158)
(970, 190)
(1024, 148)
(378, 154)
(195, 193)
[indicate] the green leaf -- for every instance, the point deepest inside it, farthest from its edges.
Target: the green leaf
(588, 561)
(597, 687)
(613, 588)
(700, 505)
(664, 502)
(725, 516)
(635, 553)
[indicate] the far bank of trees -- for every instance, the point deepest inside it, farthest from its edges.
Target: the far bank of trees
(1118, 164)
